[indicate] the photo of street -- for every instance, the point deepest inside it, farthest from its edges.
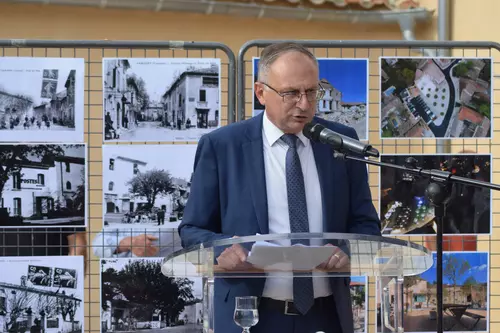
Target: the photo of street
(359, 299)
(435, 97)
(345, 82)
(43, 185)
(160, 99)
(405, 209)
(42, 294)
(41, 99)
(146, 186)
(136, 296)
(465, 296)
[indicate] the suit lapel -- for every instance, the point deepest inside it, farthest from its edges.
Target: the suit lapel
(323, 156)
(253, 151)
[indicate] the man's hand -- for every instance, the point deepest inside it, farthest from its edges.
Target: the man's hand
(337, 260)
(234, 258)
(141, 246)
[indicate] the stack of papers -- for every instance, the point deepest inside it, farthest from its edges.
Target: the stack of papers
(269, 256)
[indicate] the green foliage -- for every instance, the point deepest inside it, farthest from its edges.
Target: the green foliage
(484, 109)
(150, 184)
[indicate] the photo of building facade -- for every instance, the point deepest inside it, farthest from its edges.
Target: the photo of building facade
(47, 187)
(435, 97)
(146, 185)
(160, 99)
(41, 99)
(345, 101)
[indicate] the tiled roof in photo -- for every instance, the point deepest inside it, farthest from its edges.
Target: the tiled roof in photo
(338, 4)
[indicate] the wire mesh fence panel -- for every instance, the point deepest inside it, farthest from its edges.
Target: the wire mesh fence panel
(93, 52)
(408, 96)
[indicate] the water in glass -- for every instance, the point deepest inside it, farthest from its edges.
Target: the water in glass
(246, 314)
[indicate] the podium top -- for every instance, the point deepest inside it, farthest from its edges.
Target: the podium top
(301, 253)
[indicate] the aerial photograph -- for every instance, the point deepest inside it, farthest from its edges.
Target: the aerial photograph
(435, 97)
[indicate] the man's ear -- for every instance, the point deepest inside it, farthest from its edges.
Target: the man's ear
(259, 92)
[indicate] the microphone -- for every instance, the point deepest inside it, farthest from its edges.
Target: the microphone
(318, 132)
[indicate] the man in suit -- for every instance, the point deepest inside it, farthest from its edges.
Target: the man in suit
(263, 175)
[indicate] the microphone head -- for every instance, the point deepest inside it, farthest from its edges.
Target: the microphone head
(312, 131)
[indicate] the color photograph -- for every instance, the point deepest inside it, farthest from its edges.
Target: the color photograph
(136, 242)
(146, 186)
(136, 296)
(42, 294)
(359, 299)
(405, 209)
(345, 82)
(160, 99)
(43, 185)
(41, 99)
(465, 295)
(435, 97)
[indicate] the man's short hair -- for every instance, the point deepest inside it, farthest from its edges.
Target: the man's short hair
(272, 52)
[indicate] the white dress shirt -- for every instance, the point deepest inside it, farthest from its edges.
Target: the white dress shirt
(281, 288)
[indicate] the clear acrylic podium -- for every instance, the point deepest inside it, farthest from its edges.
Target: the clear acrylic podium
(389, 260)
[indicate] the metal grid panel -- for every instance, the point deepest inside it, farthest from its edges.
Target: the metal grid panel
(93, 52)
(373, 50)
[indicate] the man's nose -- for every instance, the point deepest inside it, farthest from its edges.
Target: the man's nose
(303, 102)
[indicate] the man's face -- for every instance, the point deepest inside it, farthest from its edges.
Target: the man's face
(291, 73)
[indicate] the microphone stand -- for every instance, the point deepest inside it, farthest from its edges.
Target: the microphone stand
(438, 192)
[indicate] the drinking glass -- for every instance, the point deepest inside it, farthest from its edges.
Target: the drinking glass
(246, 314)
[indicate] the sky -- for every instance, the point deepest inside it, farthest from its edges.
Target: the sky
(120, 263)
(478, 262)
(349, 76)
(177, 159)
(24, 75)
(360, 279)
(158, 73)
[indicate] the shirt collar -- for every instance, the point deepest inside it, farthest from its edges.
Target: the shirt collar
(273, 133)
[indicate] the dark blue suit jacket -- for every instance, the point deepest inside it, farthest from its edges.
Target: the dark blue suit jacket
(228, 197)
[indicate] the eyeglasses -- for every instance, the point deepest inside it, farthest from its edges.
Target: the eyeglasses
(295, 96)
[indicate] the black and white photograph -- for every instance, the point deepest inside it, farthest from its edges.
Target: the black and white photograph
(40, 275)
(41, 99)
(146, 186)
(31, 301)
(160, 99)
(406, 210)
(43, 185)
(136, 296)
(65, 278)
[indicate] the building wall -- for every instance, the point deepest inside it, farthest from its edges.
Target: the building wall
(30, 189)
(193, 87)
(74, 176)
(49, 22)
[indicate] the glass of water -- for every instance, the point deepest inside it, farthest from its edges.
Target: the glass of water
(246, 314)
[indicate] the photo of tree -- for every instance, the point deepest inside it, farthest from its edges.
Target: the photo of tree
(435, 97)
(146, 185)
(135, 295)
(43, 185)
(465, 295)
(33, 299)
